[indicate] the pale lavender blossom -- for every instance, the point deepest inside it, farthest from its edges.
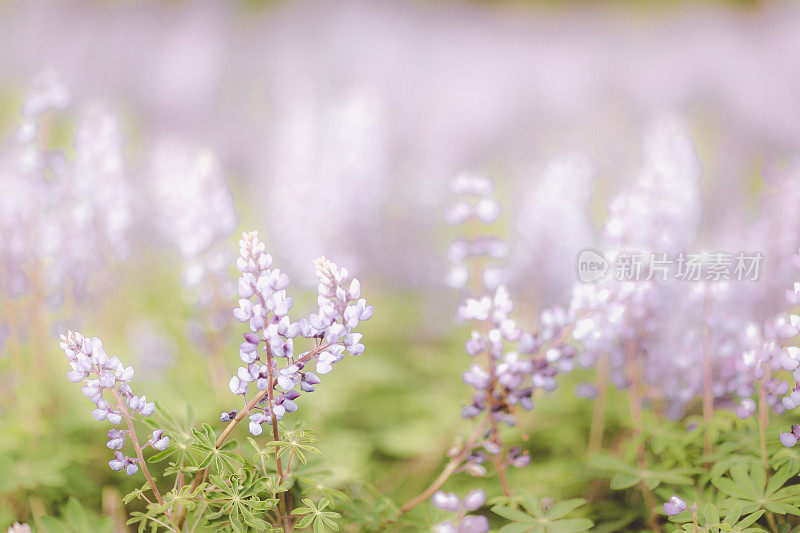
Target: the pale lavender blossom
(62, 219)
(474, 203)
(196, 214)
(268, 349)
(560, 199)
(463, 522)
(674, 506)
(103, 377)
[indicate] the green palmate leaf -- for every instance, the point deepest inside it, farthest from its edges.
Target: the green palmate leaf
(750, 519)
(733, 515)
(368, 508)
(559, 509)
(316, 516)
(239, 501)
(730, 488)
(779, 479)
(528, 514)
(610, 463)
(749, 490)
(222, 459)
(710, 513)
(515, 515)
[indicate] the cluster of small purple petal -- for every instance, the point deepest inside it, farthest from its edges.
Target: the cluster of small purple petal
(100, 373)
(632, 322)
(463, 522)
(560, 200)
(61, 219)
(784, 327)
(512, 374)
(708, 334)
(510, 363)
(196, 214)
(474, 204)
(265, 306)
(760, 363)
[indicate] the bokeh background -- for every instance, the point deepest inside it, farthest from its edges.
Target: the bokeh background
(335, 127)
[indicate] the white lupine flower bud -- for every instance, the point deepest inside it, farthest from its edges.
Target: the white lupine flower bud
(487, 210)
(474, 500)
(244, 375)
(458, 213)
(76, 376)
(234, 384)
(472, 185)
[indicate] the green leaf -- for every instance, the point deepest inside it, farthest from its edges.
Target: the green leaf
(511, 513)
(781, 477)
(624, 481)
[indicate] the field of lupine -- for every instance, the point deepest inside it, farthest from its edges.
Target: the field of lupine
(287, 293)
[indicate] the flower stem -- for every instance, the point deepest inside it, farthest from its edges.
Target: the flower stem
(276, 437)
(198, 478)
(763, 418)
(635, 396)
(708, 395)
(763, 421)
(142, 464)
(599, 412)
(449, 469)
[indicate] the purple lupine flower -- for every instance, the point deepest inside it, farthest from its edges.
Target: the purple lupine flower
(517, 458)
(122, 462)
(465, 523)
(474, 500)
(746, 408)
(159, 441)
(54, 197)
(474, 524)
(101, 373)
(116, 439)
(674, 506)
(474, 203)
(517, 362)
(790, 439)
(448, 501)
(196, 214)
(228, 415)
(265, 306)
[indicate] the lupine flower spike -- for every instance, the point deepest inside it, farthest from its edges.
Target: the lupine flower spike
(106, 382)
(268, 350)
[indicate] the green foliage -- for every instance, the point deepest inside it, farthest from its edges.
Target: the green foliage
(220, 459)
(368, 509)
(75, 518)
(388, 419)
(712, 519)
(626, 476)
(239, 501)
(749, 489)
(316, 516)
(529, 514)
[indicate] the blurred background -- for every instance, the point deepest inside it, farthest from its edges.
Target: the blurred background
(336, 127)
